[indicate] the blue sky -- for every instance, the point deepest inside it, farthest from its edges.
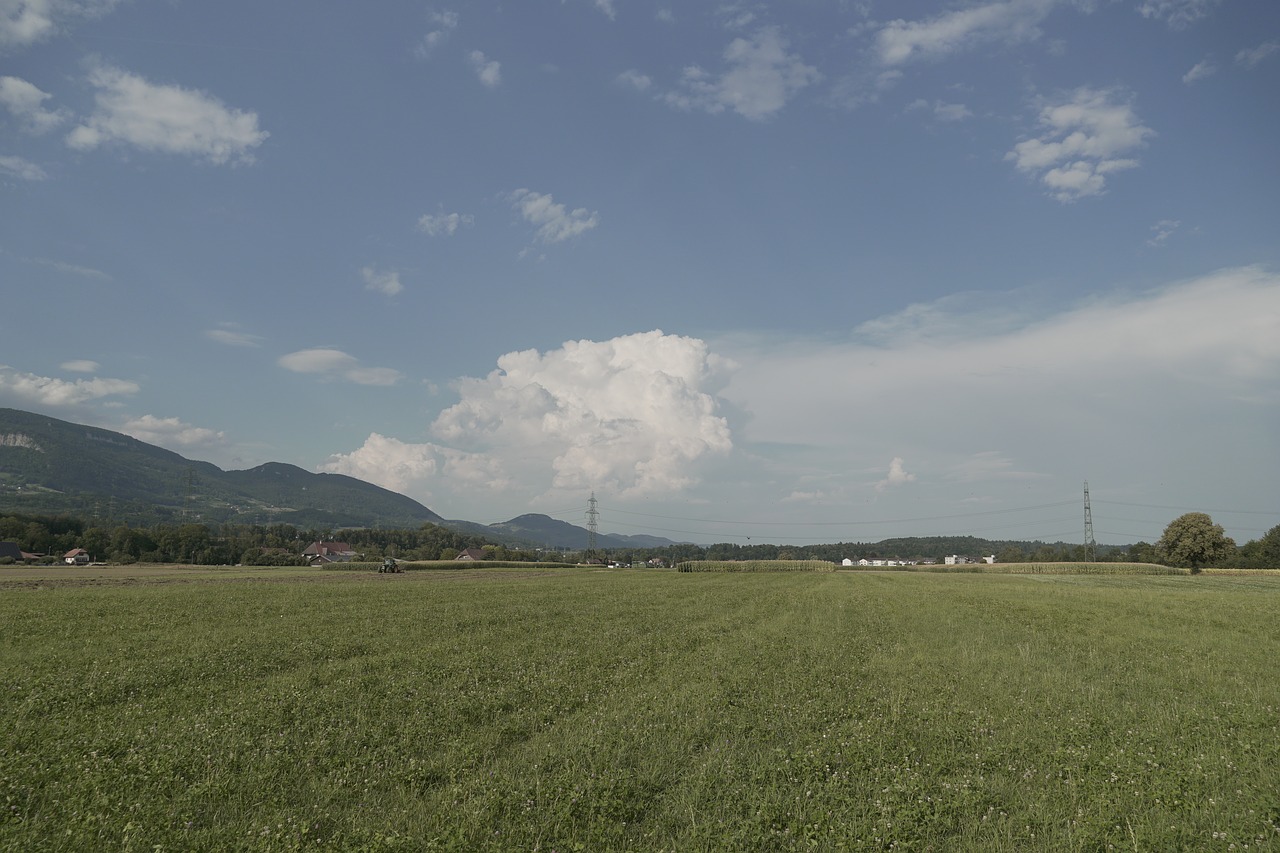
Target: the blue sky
(797, 272)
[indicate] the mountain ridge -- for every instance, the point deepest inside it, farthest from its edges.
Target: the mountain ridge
(52, 466)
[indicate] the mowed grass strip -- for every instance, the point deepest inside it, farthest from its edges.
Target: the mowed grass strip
(644, 711)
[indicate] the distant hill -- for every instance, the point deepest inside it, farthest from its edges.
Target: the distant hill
(543, 531)
(49, 466)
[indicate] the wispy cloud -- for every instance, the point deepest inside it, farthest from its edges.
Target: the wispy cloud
(635, 80)
(967, 400)
(554, 222)
(379, 281)
(26, 22)
(941, 111)
(1202, 69)
(444, 23)
(444, 224)
(1253, 55)
(229, 334)
(1162, 231)
(81, 365)
(72, 269)
(760, 76)
(1083, 140)
(331, 363)
(489, 71)
(21, 168)
(25, 101)
(902, 41)
(169, 119)
(1178, 14)
(173, 433)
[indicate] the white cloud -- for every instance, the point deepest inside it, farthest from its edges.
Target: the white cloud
(897, 476)
(635, 80)
(489, 71)
(81, 365)
(25, 101)
(445, 23)
(986, 466)
(333, 363)
(48, 391)
(1252, 56)
(666, 16)
(1125, 384)
(1202, 69)
(386, 283)
(634, 415)
(607, 7)
(168, 119)
(418, 469)
(25, 22)
(172, 433)
(446, 224)
(72, 269)
(1012, 21)
(18, 167)
(230, 335)
(942, 111)
(1162, 231)
(1177, 13)
(1082, 142)
(554, 222)
(761, 76)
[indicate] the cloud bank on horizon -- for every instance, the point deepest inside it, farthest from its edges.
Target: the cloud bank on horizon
(841, 271)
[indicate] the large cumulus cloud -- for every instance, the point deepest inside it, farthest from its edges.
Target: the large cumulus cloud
(633, 416)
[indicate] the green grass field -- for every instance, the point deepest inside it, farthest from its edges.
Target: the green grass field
(592, 710)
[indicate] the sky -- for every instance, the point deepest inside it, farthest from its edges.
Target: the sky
(797, 272)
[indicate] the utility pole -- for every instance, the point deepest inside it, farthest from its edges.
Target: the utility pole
(1090, 546)
(593, 524)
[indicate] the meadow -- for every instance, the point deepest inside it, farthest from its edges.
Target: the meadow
(572, 710)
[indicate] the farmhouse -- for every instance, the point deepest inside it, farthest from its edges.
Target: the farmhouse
(329, 552)
(12, 551)
(77, 557)
(471, 554)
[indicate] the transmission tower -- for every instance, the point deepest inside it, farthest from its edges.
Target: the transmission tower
(1090, 546)
(593, 524)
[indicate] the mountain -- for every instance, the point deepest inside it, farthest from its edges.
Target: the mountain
(543, 531)
(48, 466)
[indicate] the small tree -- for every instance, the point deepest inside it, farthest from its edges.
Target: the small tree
(1194, 541)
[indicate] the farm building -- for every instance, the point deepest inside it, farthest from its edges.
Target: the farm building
(11, 550)
(471, 554)
(329, 552)
(77, 557)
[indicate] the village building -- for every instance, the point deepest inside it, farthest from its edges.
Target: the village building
(320, 552)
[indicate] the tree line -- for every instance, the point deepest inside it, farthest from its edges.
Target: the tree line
(229, 544)
(1192, 541)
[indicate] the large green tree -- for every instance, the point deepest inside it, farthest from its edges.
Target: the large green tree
(1194, 541)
